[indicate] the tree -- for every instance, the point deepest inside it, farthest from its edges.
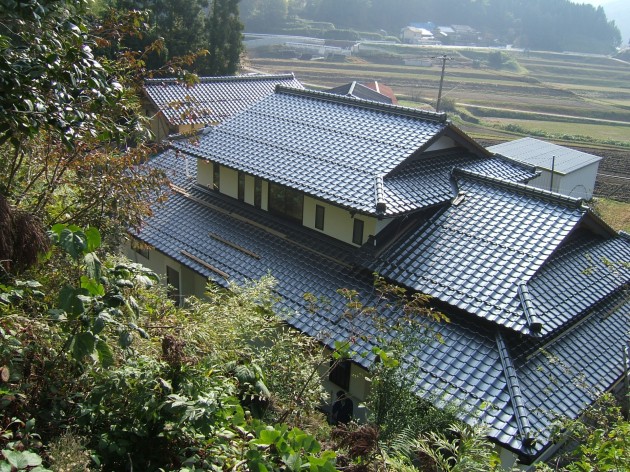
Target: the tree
(223, 30)
(66, 121)
(186, 27)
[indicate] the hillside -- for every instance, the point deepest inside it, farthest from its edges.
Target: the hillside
(553, 25)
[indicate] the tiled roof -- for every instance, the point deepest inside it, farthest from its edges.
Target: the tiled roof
(334, 148)
(513, 383)
(586, 269)
(213, 99)
(475, 254)
(541, 154)
(560, 377)
(383, 89)
(426, 181)
(357, 90)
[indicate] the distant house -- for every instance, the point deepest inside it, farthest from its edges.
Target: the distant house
(176, 108)
(464, 34)
(383, 89)
(357, 90)
(413, 35)
(562, 169)
(322, 190)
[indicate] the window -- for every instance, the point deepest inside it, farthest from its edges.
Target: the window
(172, 279)
(340, 374)
(319, 217)
(241, 186)
(357, 232)
(140, 248)
(287, 202)
(216, 176)
(258, 192)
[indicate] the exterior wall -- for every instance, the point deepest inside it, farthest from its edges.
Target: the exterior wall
(229, 182)
(577, 184)
(443, 143)
(358, 390)
(204, 173)
(190, 282)
(580, 184)
(337, 222)
(187, 129)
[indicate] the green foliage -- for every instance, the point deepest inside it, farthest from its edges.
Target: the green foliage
(295, 450)
(99, 302)
(466, 449)
(208, 33)
(602, 437)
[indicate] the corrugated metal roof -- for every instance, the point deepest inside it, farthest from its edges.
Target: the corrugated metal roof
(541, 154)
(213, 99)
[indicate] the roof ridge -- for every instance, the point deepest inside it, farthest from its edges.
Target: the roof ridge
(362, 103)
(553, 197)
(221, 78)
(521, 413)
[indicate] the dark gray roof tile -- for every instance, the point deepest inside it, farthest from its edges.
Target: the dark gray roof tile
(213, 99)
(475, 254)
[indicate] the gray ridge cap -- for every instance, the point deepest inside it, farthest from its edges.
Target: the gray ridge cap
(528, 190)
(516, 396)
(367, 104)
(528, 308)
(219, 78)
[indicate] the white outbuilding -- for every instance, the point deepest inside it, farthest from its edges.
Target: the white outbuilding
(562, 169)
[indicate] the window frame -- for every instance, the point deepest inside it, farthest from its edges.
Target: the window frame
(340, 373)
(320, 215)
(358, 228)
(284, 201)
(258, 192)
(174, 289)
(216, 177)
(241, 186)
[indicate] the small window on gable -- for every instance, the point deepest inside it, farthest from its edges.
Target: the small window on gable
(357, 232)
(140, 248)
(340, 374)
(258, 192)
(319, 217)
(216, 176)
(241, 186)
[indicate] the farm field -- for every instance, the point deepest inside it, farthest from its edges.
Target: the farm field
(574, 100)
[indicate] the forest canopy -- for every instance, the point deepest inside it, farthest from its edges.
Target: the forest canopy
(555, 25)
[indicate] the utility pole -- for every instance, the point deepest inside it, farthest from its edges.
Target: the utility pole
(444, 59)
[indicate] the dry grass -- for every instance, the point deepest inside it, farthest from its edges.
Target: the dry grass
(616, 214)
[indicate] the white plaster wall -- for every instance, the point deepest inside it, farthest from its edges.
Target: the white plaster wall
(337, 221)
(229, 182)
(580, 183)
(204, 173)
(190, 282)
(443, 143)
